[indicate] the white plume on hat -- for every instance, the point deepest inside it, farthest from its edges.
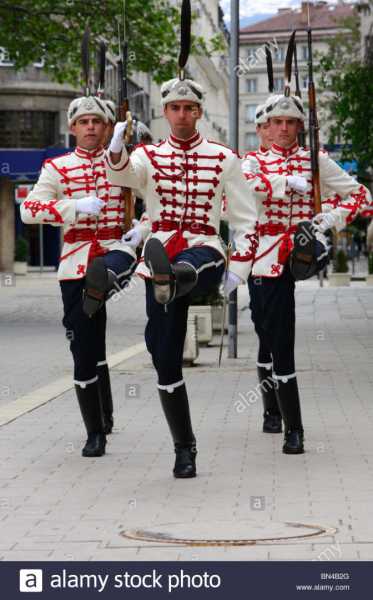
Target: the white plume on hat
(86, 105)
(181, 89)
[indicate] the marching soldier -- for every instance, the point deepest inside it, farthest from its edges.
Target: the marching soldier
(73, 192)
(292, 246)
(272, 422)
(182, 180)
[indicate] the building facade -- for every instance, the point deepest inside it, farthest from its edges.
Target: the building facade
(326, 20)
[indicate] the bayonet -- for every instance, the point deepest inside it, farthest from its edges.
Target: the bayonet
(101, 70)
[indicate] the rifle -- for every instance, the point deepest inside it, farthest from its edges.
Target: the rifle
(313, 129)
(298, 93)
(124, 114)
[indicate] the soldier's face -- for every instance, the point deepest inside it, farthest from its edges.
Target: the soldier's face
(182, 117)
(284, 130)
(89, 131)
(264, 134)
(108, 134)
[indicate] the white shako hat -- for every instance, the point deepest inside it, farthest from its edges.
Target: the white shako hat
(86, 105)
(181, 89)
(285, 106)
(261, 115)
(111, 111)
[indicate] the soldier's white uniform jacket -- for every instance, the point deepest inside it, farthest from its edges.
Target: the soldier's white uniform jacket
(183, 183)
(280, 208)
(52, 201)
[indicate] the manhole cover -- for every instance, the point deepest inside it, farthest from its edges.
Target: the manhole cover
(243, 533)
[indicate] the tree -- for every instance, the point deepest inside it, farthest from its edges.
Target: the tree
(34, 30)
(346, 79)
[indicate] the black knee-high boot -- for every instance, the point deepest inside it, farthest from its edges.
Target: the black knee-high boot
(288, 401)
(104, 389)
(90, 407)
(271, 416)
(176, 409)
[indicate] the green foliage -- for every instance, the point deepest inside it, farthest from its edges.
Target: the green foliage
(21, 253)
(341, 264)
(370, 263)
(34, 30)
(349, 86)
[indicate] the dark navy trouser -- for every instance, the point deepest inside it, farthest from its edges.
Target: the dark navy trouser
(87, 335)
(272, 305)
(166, 328)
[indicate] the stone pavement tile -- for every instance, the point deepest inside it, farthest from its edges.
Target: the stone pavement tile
(162, 553)
(116, 554)
(93, 529)
(15, 529)
(229, 553)
(7, 544)
(62, 550)
(365, 551)
(26, 555)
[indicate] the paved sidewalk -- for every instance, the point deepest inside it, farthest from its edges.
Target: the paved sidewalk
(56, 505)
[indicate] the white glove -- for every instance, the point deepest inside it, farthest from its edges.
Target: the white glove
(133, 237)
(116, 144)
(231, 282)
(91, 205)
(323, 221)
(298, 184)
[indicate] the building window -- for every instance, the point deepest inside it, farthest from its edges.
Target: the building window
(251, 86)
(304, 83)
(279, 54)
(250, 112)
(4, 59)
(369, 48)
(278, 84)
(304, 52)
(28, 129)
(251, 52)
(251, 141)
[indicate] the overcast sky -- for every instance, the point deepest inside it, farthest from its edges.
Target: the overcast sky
(248, 8)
